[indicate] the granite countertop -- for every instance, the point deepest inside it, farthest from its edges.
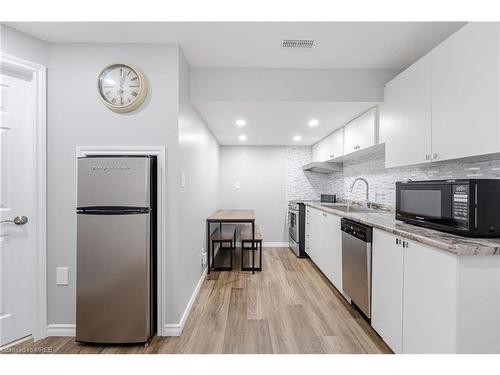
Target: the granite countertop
(454, 244)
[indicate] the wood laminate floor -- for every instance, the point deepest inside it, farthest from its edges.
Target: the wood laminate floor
(289, 307)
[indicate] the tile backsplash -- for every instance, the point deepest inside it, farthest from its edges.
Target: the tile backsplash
(309, 185)
(382, 181)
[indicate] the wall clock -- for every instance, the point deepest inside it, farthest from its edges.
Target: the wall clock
(122, 87)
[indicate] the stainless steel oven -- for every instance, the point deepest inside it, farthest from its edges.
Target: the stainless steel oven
(294, 227)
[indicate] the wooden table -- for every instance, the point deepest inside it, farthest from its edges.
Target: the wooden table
(235, 216)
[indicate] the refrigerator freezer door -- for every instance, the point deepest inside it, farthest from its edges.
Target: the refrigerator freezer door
(113, 278)
(113, 181)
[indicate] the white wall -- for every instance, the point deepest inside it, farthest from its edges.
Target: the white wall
(24, 46)
(241, 84)
(261, 174)
(199, 162)
(76, 117)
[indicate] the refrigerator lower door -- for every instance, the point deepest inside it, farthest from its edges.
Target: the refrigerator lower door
(113, 278)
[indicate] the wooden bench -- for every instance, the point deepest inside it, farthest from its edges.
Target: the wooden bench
(224, 234)
(255, 244)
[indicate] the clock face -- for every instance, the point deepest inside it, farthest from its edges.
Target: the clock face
(121, 87)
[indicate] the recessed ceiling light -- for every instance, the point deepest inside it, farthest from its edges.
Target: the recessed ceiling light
(242, 137)
(297, 138)
(314, 122)
(240, 122)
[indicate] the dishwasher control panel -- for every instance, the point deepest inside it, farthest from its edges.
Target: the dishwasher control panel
(360, 231)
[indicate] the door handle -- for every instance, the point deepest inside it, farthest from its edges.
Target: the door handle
(18, 220)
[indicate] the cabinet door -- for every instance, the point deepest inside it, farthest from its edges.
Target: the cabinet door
(320, 248)
(315, 152)
(465, 98)
(405, 119)
(309, 241)
(350, 137)
(320, 150)
(335, 143)
(333, 251)
(366, 128)
(316, 232)
(429, 300)
(387, 289)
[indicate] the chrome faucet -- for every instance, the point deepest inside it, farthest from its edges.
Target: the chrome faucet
(367, 186)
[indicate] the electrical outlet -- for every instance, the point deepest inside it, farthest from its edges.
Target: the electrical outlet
(203, 257)
(237, 185)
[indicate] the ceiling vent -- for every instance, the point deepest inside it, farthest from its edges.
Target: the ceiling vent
(298, 43)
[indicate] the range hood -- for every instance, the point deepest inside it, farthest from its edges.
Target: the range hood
(322, 167)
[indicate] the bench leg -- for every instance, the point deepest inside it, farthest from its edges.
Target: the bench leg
(253, 257)
(260, 255)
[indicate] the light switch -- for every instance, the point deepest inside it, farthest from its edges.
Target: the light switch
(237, 185)
(62, 275)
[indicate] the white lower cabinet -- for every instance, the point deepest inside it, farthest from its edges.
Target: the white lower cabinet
(324, 244)
(387, 289)
(414, 295)
(333, 251)
(429, 300)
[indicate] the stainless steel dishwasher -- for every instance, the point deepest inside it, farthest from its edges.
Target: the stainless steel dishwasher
(357, 264)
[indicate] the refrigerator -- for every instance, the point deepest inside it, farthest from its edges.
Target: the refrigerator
(116, 249)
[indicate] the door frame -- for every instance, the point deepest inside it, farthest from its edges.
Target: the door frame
(161, 230)
(38, 253)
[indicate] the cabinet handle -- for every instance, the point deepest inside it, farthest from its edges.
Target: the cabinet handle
(397, 243)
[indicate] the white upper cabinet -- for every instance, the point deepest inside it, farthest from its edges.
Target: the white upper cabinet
(335, 142)
(405, 117)
(350, 137)
(446, 106)
(465, 98)
(360, 133)
(320, 151)
(329, 147)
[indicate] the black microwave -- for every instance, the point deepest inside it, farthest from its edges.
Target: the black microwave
(469, 207)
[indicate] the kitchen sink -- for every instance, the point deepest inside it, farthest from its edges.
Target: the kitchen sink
(349, 208)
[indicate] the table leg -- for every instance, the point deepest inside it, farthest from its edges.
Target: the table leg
(208, 246)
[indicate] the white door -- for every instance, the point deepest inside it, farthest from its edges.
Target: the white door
(366, 128)
(405, 117)
(350, 137)
(387, 288)
(333, 251)
(16, 195)
(429, 300)
(465, 99)
(336, 144)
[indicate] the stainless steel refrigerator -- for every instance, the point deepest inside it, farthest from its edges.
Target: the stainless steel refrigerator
(116, 249)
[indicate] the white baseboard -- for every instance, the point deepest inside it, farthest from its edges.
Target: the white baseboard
(176, 328)
(61, 330)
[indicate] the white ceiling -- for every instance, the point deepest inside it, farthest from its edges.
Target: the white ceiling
(257, 44)
(276, 123)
